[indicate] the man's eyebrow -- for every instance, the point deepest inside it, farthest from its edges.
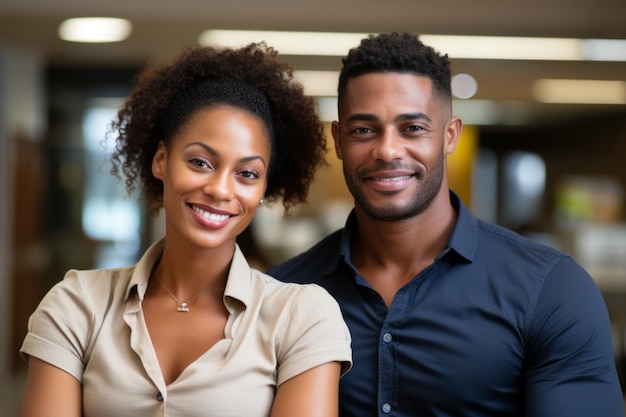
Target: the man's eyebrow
(366, 117)
(412, 116)
(362, 116)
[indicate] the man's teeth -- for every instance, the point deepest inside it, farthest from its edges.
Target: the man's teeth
(393, 178)
(211, 216)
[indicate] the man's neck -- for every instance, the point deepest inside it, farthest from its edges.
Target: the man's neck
(389, 254)
(403, 243)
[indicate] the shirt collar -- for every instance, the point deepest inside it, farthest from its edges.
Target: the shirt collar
(237, 286)
(462, 240)
(465, 233)
(143, 269)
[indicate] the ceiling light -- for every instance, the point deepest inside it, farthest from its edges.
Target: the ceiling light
(464, 86)
(505, 47)
(287, 43)
(491, 112)
(580, 91)
(604, 49)
(95, 29)
(457, 47)
(318, 83)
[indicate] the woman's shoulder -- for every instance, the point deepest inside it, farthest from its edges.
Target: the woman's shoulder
(297, 299)
(309, 326)
(91, 289)
(290, 289)
(95, 280)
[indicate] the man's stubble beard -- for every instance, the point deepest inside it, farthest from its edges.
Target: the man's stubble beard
(423, 197)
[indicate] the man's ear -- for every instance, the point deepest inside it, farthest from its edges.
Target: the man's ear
(158, 161)
(452, 134)
(335, 130)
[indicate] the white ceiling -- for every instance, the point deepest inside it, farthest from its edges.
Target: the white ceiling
(162, 27)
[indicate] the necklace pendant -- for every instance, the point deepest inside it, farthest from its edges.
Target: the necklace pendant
(183, 308)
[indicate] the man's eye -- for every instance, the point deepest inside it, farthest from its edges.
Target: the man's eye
(362, 130)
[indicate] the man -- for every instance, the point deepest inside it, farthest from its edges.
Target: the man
(449, 316)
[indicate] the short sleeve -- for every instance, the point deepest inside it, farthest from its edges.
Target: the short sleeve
(60, 328)
(314, 333)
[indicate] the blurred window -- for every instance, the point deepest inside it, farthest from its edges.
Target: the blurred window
(108, 216)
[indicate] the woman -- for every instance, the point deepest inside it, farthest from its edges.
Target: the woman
(191, 329)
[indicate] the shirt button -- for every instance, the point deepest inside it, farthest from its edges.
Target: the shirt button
(386, 408)
(387, 338)
(159, 397)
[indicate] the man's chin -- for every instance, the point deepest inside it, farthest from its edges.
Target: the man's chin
(389, 213)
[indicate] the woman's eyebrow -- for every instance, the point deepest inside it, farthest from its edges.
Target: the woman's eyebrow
(217, 154)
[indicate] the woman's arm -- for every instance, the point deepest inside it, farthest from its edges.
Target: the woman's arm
(50, 392)
(314, 393)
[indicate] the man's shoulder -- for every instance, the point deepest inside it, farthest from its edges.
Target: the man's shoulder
(501, 247)
(504, 239)
(310, 264)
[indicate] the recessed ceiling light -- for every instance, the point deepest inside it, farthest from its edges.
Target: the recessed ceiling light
(286, 43)
(318, 83)
(505, 47)
(95, 29)
(464, 86)
(580, 91)
(604, 49)
(457, 47)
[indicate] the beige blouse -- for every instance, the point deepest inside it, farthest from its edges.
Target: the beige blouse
(91, 326)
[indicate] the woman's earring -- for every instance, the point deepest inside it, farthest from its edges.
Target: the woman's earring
(262, 202)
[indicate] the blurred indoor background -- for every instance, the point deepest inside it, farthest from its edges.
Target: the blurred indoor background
(543, 149)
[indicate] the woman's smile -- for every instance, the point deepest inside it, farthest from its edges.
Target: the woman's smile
(211, 218)
(214, 174)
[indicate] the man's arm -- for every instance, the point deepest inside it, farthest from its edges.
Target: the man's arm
(570, 369)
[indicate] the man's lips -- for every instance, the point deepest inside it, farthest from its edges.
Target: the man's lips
(388, 175)
(390, 179)
(389, 182)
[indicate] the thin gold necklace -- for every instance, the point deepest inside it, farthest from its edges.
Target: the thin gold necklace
(183, 307)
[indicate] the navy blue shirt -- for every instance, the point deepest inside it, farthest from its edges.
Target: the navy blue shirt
(498, 325)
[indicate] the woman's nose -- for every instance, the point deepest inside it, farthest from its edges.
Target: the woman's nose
(220, 185)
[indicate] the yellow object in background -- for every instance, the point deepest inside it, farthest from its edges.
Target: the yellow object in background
(460, 163)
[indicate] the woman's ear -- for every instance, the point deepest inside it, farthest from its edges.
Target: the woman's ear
(158, 161)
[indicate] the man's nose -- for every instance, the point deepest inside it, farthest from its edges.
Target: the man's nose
(389, 146)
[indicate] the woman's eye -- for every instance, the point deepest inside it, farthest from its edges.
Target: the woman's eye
(200, 162)
(249, 174)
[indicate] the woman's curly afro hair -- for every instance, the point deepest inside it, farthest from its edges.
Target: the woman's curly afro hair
(154, 111)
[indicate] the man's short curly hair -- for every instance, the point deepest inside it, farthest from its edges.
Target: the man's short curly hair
(396, 52)
(165, 96)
